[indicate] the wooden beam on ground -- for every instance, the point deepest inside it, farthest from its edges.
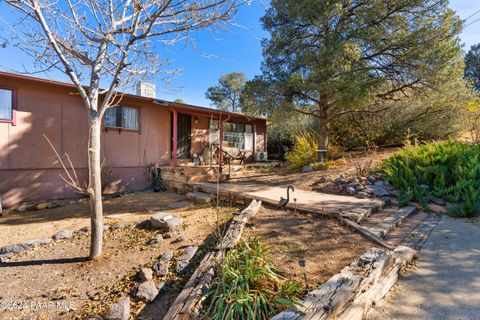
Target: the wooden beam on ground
(235, 230)
(364, 232)
(188, 303)
(350, 293)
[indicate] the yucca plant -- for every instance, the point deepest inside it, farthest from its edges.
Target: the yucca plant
(249, 286)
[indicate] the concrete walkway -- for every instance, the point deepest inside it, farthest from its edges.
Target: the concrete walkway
(446, 282)
(308, 200)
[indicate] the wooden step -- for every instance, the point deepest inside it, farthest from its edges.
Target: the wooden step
(396, 236)
(194, 171)
(360, 213)
(390, 218)
(199, 197)
(206, 178)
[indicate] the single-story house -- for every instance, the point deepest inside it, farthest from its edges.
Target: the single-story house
(141, 130)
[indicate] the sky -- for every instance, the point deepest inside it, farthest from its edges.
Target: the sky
(236, 49)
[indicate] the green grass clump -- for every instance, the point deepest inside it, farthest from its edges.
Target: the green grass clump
(248, 286)
(448, 170)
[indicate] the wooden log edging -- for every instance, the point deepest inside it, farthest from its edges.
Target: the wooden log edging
(350, 293)
(188, 304)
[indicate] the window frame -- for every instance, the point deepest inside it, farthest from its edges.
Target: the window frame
(12, 121)
(107, 127)
(244, 132)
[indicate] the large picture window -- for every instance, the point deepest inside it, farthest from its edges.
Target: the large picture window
(6, 104)
(237, 135)
(122, 117)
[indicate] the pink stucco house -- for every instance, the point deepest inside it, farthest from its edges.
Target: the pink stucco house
(140, 131)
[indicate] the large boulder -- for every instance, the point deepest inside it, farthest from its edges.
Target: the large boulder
(147, 291)
(166, 221)
(120, 310)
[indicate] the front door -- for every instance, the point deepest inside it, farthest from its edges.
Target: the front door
(184, 132)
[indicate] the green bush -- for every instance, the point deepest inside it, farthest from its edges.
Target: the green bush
(304, 151)
(449, 170)
(248, 286)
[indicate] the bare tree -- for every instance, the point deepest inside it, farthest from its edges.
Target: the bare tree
(105, 44)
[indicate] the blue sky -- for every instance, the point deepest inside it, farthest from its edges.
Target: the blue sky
(236, 49)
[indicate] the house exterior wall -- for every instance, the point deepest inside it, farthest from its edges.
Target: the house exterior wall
(29, 169)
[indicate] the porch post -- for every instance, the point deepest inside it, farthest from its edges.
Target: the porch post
(220, 140)
(175, 135)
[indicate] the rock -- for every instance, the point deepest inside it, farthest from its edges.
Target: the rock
(145, 274)
(183, 261)
(163, 287)
(341, 181)
(95, 317)
(147, 291)
(84, 229)
(379, 183)
(37, 242)
(120, 310)
(63, 234)
(180, 204)
(437, 208)
(362, 195)
(307, 169)
(351, 190)
(5, 257)
(199, 197)
(41, 206)
(167, 222)
(14, 248)
(379, 191)
(438, 201)
(158, 238)
(106, 227)
(118, 225)
(167, 255)
(161, 266)
(24, 207)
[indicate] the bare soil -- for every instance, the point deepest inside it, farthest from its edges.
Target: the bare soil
(324, 245)
(319, 180)
(23, 226)
(55, 281)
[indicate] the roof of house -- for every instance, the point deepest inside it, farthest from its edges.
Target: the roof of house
(173, 105)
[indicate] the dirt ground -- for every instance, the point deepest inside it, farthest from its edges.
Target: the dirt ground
(318, 180)
(59, 273)
(23, 226)
(322, 242)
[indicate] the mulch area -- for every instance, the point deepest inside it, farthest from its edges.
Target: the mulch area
(324, 245)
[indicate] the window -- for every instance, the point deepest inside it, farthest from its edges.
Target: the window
(7, 105)
(237, 135)
(122, 117)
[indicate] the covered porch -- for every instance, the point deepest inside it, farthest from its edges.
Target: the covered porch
(206, 137)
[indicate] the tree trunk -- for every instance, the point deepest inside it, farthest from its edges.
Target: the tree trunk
(323, 128)
(95, 186)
